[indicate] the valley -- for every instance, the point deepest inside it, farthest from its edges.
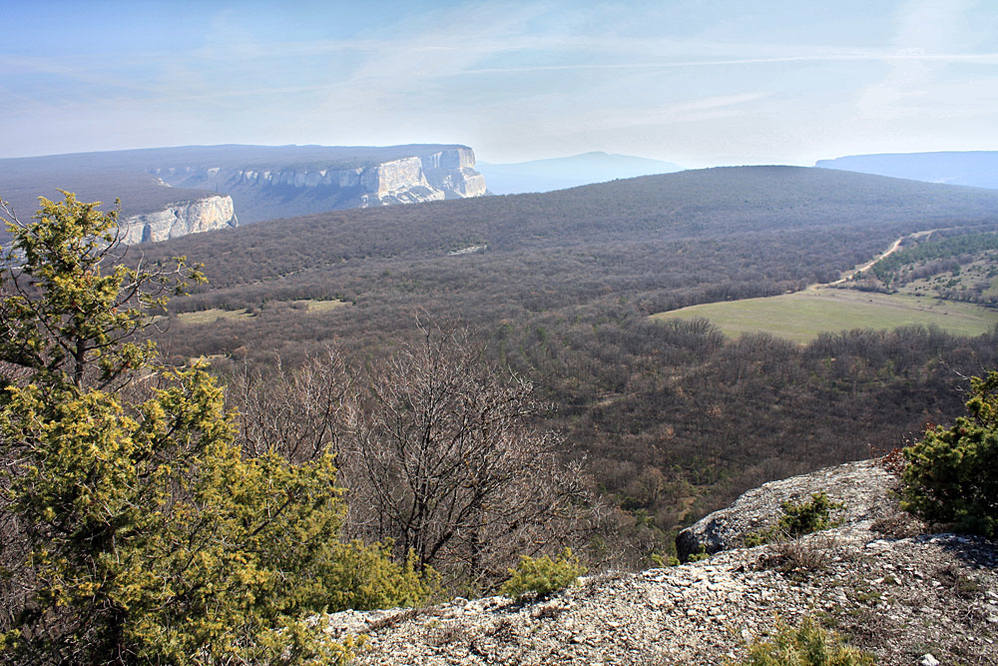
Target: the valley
(631, 427)
(672, 418)
(499, 333)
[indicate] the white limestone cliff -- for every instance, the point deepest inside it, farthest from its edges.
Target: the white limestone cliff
(453, 171)
(179, 219)
(444, 174)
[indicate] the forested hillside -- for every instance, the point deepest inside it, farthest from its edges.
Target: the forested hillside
(953, 265)
(23, 180)
(673, 418)
(716, 204)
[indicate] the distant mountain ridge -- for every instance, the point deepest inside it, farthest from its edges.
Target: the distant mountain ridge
(563, 172)
(970, 168)
(170, 192)
(268, 182)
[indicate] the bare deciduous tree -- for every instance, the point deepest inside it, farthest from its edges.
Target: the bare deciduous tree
(306, 412)
(447, 462)
(438, 449)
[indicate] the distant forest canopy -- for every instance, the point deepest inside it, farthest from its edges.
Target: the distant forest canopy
(673, 419)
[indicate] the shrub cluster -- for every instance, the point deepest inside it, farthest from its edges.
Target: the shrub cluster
(543, 575)
(798, 519)
(807, 644)
(951, 477)
(808, 517)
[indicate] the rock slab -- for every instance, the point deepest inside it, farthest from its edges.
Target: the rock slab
(864, 488)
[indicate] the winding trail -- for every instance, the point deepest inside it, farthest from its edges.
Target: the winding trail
(895, 246)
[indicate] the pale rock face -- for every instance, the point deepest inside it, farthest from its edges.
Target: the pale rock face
(446, 174)
(391, 178)
(453, 172)
(179, 219)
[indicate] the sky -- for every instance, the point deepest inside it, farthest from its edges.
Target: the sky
(696, 82)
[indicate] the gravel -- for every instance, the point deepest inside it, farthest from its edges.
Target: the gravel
(905, 599)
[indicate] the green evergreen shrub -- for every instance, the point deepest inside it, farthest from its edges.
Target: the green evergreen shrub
(701, 554)
(135, 530)
(807, 644)
(808, 517)
(364, 576)
(543, 575)
(798, 519)
(951, 474)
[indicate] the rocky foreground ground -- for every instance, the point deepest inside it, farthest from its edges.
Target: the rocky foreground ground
(887, 589)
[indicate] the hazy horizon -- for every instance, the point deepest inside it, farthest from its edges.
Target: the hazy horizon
(694, 83)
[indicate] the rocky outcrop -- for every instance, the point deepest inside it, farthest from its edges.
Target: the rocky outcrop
(296, 189)
(179, 219)
(898, 598)
(453, 172)
(863, 487)
(895, 598)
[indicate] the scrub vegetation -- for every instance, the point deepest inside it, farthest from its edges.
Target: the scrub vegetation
(950, 474)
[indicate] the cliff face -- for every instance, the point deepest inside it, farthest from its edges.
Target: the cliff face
(282, 191)
(169, 192)
(179, 219)
(453, 172)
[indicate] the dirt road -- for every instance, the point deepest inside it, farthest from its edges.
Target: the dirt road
(895, 246)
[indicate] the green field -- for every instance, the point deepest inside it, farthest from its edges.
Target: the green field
(316, 306)
(212, 315)
(801, 316)
(304, 306)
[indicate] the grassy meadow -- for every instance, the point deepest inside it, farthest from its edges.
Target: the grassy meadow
(213, 315)
(801, 316)
(316, 305)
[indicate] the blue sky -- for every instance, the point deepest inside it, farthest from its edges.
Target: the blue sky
(695, 82)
